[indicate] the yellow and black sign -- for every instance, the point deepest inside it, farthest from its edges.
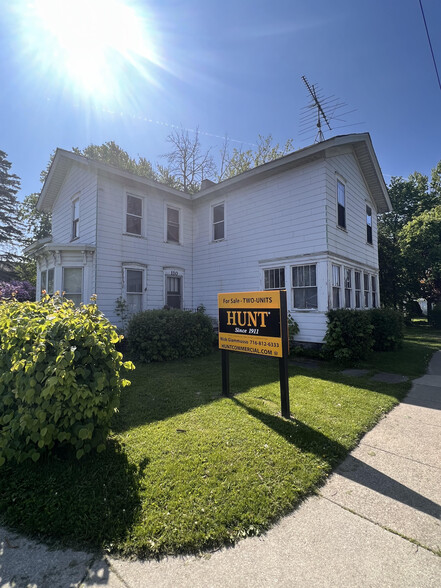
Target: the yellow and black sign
(251, 322)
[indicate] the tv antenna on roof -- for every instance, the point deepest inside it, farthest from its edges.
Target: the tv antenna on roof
(321, 110)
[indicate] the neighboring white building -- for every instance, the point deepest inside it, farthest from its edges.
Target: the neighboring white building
(306, 222)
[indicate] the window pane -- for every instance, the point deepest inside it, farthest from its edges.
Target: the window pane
(274, 278)
(335, 275)
(173, 292)
(173, 225)
(134, 205)
(134, 281)
(43, 280)
(72, 280)
(341, 194)
(218, 213)
(134, 302)
(173, 216)
(218, 231)
(357, 280)
(133, 224)
(50, 281)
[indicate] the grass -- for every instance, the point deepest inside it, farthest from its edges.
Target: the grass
(186, 469)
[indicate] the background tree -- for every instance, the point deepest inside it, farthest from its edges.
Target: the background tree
(420, 242)
(10, 230)
(188, 163)
(410, 198)
(113, 154)
(241, 161)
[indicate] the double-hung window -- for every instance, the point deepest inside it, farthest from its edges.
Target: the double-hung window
(173, 223)
(76, 218)
(134, 288)
(173, 291)
(336, 285)
(341, 204)
(274, 278)
(218, 219)
(348, 288)
(134, 215)
(73, 284)
(304, 283)
(366, 290)
(369, 224)
(357, 289)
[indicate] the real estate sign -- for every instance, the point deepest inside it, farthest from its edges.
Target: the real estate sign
(251, 322)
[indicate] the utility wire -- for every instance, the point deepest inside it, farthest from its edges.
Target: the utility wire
(430, 44)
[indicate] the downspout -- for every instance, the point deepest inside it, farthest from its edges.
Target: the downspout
(96, 236)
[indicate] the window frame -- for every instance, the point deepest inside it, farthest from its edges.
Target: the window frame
(341, 207)
(68, 295)
(358, 297)
(75, 219)
(270, 280)
(348, 287)
(134, 215)
(167, 224)
(369, 224)
(129, 294)
(336, 285)
(214, 223)
(309, 288)
(366, 291)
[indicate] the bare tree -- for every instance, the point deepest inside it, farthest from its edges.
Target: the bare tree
(188, 164)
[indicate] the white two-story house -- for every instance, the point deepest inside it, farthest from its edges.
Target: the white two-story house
(306, 222)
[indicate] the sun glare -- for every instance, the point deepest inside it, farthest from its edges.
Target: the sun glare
(93, 45)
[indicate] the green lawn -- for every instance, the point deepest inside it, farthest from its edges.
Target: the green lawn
(186, 469)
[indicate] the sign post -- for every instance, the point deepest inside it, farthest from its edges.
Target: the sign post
(255, 322)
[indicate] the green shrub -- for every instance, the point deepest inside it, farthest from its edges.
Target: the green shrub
(162, 335)
(434, 316)
(349, 335)
(59, 378)
(388, 330)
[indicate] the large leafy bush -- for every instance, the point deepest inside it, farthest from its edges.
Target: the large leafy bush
(349, 335)
(60, 378)
(162, 335)
(388, 329)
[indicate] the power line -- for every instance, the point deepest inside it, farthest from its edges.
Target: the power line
(430, 44)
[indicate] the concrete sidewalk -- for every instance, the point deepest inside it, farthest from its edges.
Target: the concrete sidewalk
(376, 523)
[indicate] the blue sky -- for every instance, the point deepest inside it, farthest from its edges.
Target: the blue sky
(232, 67)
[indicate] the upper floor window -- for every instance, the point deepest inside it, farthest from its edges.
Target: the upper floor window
(336, 284)
(274, 278)
(304, 282)
(173, 223)
(369, 224)
(341, 205)
(134, 215)
(218, 222)
(76, 219)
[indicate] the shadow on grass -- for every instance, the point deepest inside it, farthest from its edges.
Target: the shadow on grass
(92, 501)
(161, 391)
(309, 440)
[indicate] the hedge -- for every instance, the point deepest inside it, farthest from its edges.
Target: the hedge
(60, 378)
(162, 335)
(352, 334)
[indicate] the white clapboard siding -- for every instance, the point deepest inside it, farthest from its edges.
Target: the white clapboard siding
(273, 219)
(151, 252)
(80, 183)
(352, 242)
